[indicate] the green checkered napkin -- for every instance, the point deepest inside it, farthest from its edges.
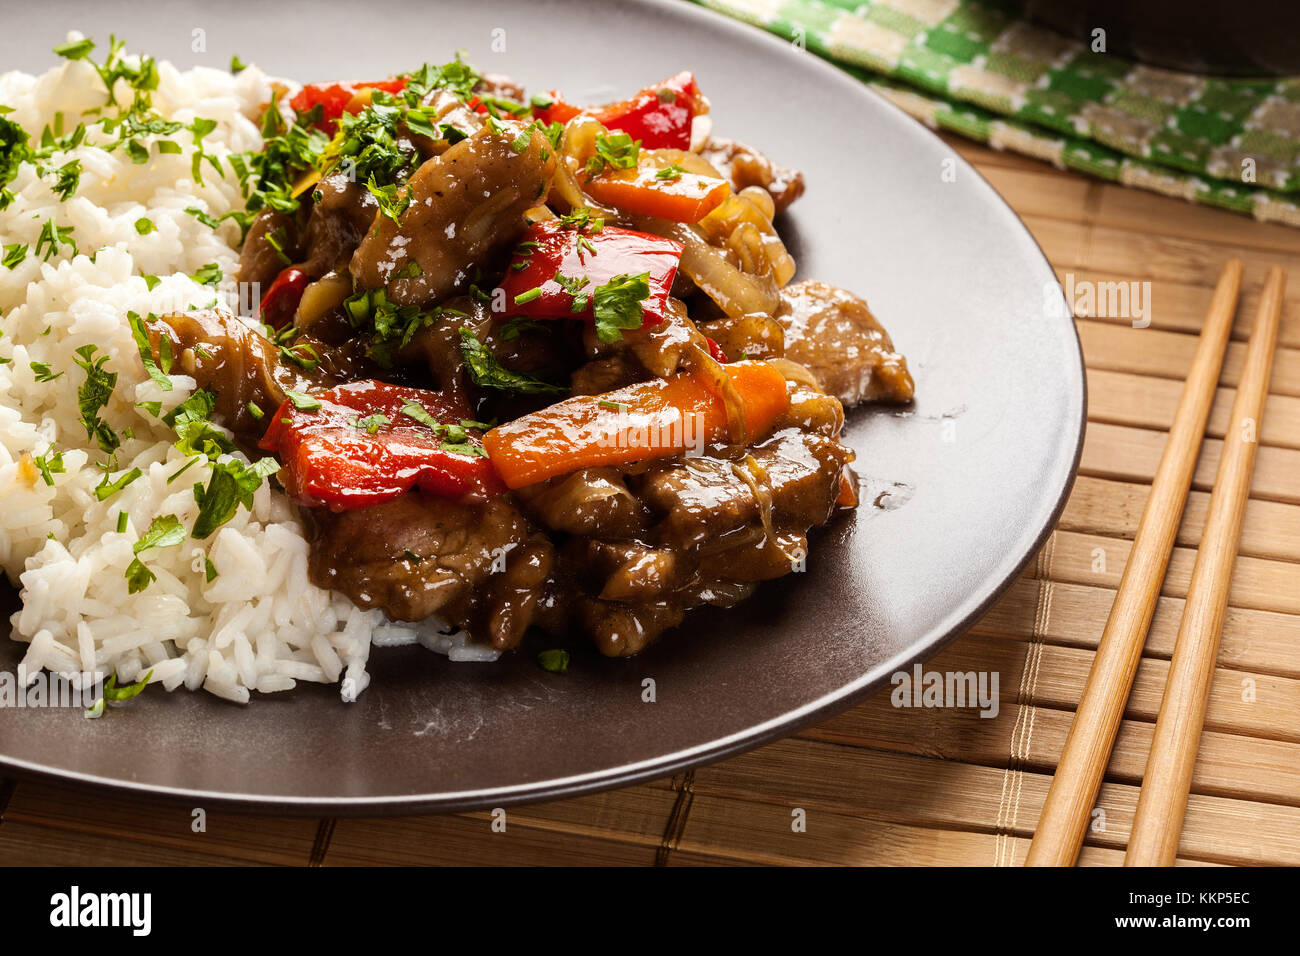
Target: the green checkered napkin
(975, 69)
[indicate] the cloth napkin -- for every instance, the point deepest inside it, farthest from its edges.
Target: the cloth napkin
(975, 69)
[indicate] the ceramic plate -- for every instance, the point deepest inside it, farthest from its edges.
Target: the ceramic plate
(962, 487)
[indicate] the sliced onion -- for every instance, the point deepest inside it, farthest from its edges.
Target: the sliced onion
(794, 372)
(324, 295)
(736, 293)
(577, 145)
(739, 209)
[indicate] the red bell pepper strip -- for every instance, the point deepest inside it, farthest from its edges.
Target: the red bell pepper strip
(557, 268)
(716, 351)
(333, 98)
(557, 112)
(660, 115)
(367, 442)
(656, 419)
(281, 300)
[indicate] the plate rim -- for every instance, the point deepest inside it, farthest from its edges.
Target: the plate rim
(715, 750)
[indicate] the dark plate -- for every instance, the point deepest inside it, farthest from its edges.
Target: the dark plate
(980, 467)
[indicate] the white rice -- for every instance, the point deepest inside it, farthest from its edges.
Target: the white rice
(260, 624)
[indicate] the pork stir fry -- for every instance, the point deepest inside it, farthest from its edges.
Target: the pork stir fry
(527, 364)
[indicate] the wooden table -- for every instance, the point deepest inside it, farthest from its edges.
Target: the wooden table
(879, 785)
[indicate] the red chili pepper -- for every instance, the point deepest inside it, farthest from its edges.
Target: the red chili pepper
(370, 442)
(660, 115)
(716, 350)
(551, 251)
(281, 300)
(333, 98)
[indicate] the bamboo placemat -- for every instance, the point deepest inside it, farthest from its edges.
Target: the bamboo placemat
(880, 785)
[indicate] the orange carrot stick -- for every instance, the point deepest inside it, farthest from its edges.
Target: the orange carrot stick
(687, 198)
(655, 419)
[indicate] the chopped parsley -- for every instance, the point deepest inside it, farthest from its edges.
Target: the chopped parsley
(43, 373)
(165, 531)
(582, 220)
(93, 394)
(14, 254)
(195, 432)
(304, 403)
(49, 466)
(487, 372)
(372, 423)
(391, 205)
(616, 150)
(616, 305)
(555, 660)
(454, 438)
(52, 237)
(416, 411)
(209, 274)
(15, 149)
(106, 489)
(117, 694)
(144, 226)
(232, 484)
(68, 178)
(389, 324)
(141, 335)
(572, 284)
(669, 173)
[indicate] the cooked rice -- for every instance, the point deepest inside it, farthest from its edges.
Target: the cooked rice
(260, 624)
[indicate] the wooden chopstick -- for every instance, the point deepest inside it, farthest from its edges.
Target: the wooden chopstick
(1069, 803)
(1162, 801)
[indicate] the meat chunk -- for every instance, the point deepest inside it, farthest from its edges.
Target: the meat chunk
(259, 260)
(239, 365)
(756, 335)
(338, 222)
(703, 500)
(834, 334)
(474, 564)
(746, 166)
(621, 630)
(500, 85)
(590, 501)
(653, 351)
(681, 533)
(466, 207)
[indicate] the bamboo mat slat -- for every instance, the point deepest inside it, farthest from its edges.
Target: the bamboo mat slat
(880, 784)
(1112, 508)
(1252, 640)
(1131, 454)
(1260, 583)
(1230, 765)
(1121, 398)
(1152, 351)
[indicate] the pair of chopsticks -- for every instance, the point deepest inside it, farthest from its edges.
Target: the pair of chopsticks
(1162, 801)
